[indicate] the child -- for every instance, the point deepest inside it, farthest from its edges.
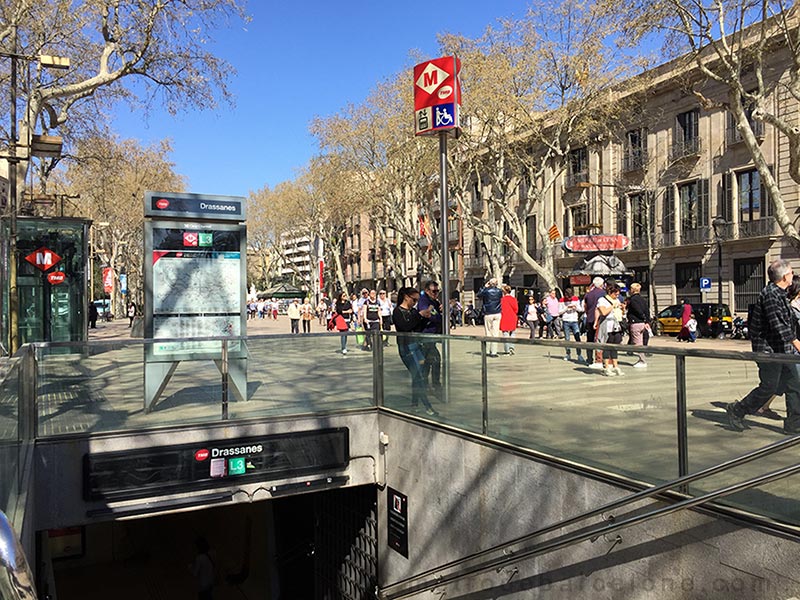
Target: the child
(691, 325)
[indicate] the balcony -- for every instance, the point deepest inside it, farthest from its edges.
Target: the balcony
(471, 261)
(573, 179)
(685, 149)
(767, 226)
(733, 136)
(634, 159)
(640, 242)
(668, 238)
(698, 235)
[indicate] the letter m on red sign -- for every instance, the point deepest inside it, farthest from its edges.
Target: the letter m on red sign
(430, 78)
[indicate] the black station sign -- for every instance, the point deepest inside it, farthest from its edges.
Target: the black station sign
(397, 512)
(196, 206)
(139, 473)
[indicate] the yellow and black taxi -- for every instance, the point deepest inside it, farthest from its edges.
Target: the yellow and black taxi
(713, 320)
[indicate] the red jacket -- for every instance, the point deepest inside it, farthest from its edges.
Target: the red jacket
(508, 313)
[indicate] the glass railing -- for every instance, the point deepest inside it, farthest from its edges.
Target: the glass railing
(10, 435)
(651, 424)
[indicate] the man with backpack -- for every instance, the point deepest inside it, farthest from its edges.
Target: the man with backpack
(370, 318)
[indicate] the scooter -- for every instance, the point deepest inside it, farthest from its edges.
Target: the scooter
(740, 329)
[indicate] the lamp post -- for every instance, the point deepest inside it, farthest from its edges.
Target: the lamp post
(719, 223)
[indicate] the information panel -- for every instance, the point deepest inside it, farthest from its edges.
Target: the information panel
(397, 526)
(129, 474)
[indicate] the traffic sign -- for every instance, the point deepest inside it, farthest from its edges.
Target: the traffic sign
(437, 95)
(43, 258)
(705, 284)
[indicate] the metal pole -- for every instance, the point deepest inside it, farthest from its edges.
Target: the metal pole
(682, 419)
(224, 380)
(444, 298)
(484, 390)
(719, 272)
(13, 296)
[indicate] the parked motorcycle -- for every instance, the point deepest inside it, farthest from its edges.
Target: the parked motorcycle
(740, 329)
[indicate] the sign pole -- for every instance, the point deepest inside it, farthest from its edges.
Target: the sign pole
(444, 298)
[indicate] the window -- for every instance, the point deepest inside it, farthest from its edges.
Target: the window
(530, 227)
(733, 134)
(622, 215)
(687, 126)
(643, 215)
(693, 198)
(754, 203)
(687, 282)
(577, 167)
(477, 198)
(686, 138)
(580, 218)
(635, 154)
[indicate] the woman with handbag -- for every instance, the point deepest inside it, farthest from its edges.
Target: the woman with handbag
(608, 321)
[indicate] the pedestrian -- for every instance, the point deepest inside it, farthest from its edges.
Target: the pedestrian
(306, 315)
(608, 322)
(532, 315)
(131, 313)
(596, 291)
(322, 311)
(342, 313)
(203, 569)
(772, 331)
(408, 319)
(638, 321)
(429, 299)
(509, 316)
(455, 313)
(274, 305)
(293, 312)
(93, 315)
(370, 318)
(491, 296)
(686, 314)
(570, 309)
(386, 314)
(552, 305)
(691, 327)
(471, 315)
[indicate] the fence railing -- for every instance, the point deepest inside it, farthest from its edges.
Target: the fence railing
(650, 425)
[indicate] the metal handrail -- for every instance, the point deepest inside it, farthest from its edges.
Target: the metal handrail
(16, 578)
(567, 540)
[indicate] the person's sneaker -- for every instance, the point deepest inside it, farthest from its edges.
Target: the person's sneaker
(596, 365)
(344, 351)
(511, 351)
(618, 371)
(609, 372)
(640, 365)
(567, 358)
(735, 421)
(431, 412)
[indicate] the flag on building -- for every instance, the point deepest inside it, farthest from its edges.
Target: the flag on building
(553, 233)
(424, 226)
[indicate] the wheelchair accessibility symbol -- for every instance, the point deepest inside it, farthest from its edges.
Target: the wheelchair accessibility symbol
(444, 115)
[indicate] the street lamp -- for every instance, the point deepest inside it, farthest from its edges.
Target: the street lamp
(719, 224)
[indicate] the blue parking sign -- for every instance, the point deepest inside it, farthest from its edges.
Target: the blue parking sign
(705, 284)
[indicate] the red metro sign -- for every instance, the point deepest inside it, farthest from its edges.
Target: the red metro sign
(56, 277)
(43, 258)
(597, 243)
(437, 95)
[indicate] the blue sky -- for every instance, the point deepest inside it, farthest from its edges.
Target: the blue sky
(295, 62)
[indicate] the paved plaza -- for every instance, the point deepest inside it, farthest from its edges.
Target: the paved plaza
(536, 399)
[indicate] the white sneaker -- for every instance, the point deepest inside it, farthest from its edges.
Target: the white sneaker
(609, 372)
(596, 365)
(344, 351)
(566, 358)
(640, 365)
(618, 371)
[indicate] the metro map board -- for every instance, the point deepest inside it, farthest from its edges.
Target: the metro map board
(129, 474)
(196, 284)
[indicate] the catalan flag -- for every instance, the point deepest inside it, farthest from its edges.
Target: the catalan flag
(553, 233)
(424, 226)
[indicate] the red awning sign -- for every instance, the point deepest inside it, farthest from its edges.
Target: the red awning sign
(43, 258)
(597, 243)
(56, 277)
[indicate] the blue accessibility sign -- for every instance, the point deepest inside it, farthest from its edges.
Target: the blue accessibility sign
(705, 284)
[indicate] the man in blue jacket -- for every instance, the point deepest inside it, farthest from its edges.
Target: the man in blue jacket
(490, 294)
